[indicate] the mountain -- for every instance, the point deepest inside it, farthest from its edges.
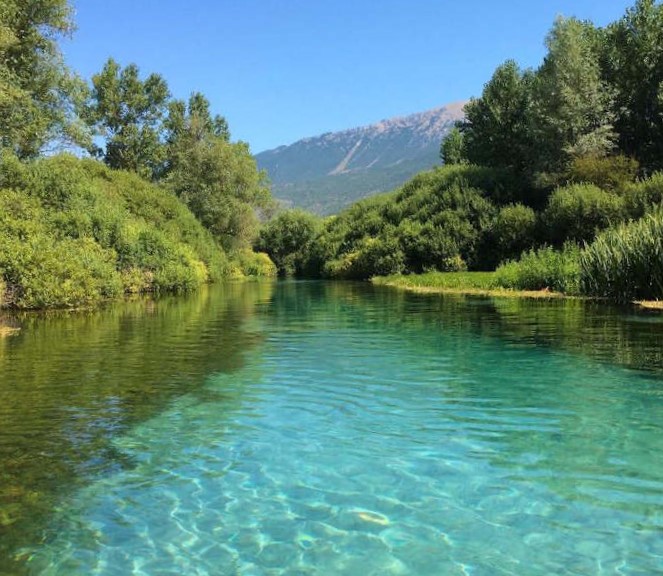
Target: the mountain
(325, 173)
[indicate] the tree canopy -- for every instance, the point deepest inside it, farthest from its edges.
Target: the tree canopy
(38, 94)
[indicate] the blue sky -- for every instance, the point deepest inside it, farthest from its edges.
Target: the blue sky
(280, 70)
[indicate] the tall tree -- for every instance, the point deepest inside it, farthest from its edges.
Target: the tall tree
(38, 94)
(633, 63)
(572, 104)
(128, 112)
(217, 179)
(496, 129)
(192, 121)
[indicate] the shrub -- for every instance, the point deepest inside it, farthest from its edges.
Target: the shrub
(613, 173)
(73, 232)
(287, 239)
(645, 195)
(626, 263)
(578, 211)
(42, 273)
(546, 268)
(255, 264)
(513, 231)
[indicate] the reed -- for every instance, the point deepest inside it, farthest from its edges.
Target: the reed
(626, 263)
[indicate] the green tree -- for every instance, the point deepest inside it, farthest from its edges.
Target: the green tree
(578, 211)
(221, 184)
(633, 64)
(452, 150)
(512, 232)
(287, 239)
(128, 112)
(187, 125)
(38, 94)
(496, 129)
(572, 104)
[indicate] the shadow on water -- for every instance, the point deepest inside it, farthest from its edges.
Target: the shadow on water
(71, 382)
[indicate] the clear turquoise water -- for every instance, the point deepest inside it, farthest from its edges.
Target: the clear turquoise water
(372, 433)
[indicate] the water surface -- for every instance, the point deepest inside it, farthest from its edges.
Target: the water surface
(311, 428)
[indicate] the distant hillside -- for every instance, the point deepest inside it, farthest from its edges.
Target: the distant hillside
(327, 172)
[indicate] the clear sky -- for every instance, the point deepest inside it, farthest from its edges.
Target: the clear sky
(280, 70)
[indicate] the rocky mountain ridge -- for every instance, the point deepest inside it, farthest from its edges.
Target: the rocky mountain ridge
(324, 173)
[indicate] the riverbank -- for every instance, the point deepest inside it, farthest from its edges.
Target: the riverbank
(469, 283)
(479, 284)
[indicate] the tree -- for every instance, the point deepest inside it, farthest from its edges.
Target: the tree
(128, 113)
(287, 239)
(216, 178)
(220, 183)
(188, 125)
(452, 150)
(572, 104)
(193, 120)
(38, 94)
(633, 64)
(496, 129)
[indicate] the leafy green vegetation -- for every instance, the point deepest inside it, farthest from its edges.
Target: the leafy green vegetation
(545, 268)
(176, 204)
(446, 281)
(37, 92)
(626, 263)
(74, 232)
(287, 239)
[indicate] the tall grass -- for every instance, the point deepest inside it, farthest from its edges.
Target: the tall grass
(626, 263)
(546, 268)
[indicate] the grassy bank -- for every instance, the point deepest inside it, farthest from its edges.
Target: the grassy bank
(480, 284)
(473, 283)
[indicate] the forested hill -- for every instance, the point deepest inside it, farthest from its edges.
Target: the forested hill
(326, 173)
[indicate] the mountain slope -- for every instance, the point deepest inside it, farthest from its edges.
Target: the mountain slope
(327, 172)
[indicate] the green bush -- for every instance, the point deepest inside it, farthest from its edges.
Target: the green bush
(578, 211)
(613, 173)
(435, 222)
(73, 232)
(43, 273)
(373, 257)
(287, 239)
(513, 231)
(255, 264)
(642, 197)
(546, 268)
(626, 263)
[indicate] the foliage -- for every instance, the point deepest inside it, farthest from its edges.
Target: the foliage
(572, 103)
(221, 185)
(452, 150)
(253, 264)
(287, 239)
(433, 222)
(73, 232)
(514, 230)
(496, 129)
(633, 66)
(545, 268)
(127, 112)
(641, 197)
(612, 173)
(37, 92)
(577, 211)
(451, 281)
(626, 263)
